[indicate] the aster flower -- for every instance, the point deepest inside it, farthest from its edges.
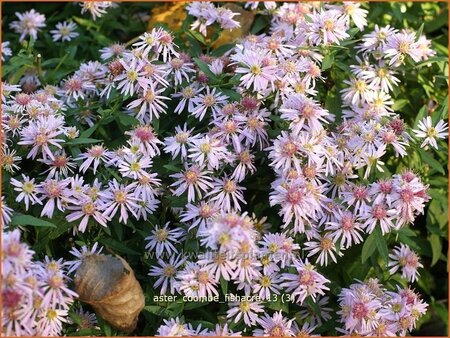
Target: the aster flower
(174, 328)
(60, 166)
(6, 51)
(27, 191)
(96, 8)
(94, 156)
(151, 104)
(133, 78)
(399, 45)
(194, 179)
(57, 193)
(379, 214)
(86, 208)
(29, 23)
(305, 282)
(404, 259)
(10, 160)
(6, 212)
(199, 214)
(134, 166)
(79, 255)
(275, 326)
(345, 227)
(196, 281)
(430, 133)
(325, 246)
(146, 139)
(327, 27)
(246, 310)
(118, 196)
(208, 102)
(267, 285)
(209, 151)
(162, 240)
(166, 273)
(65, 31)
(41, 134)
(116, 50)
(227, 193)
(177, 144)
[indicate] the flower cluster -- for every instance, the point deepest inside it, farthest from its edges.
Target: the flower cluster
(195, 130)
(35, 295)
(369, 309)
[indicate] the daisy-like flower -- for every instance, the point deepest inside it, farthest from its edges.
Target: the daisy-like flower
(245, 309)
(85, 209)
(174, 328)
(79, 255)
(194, 179)
(61, 166)
(358, 92)
(166, 273)
(297, 203)
(325, 246)
(163, 239)
(345, 227)
(29, 23)
(94, 155)
(133, 78)
(245, 163)
(116, 50)
(430, 133)
(6, 212)
(41, 134)
(399, 45)
(327, 27)
(210, 101)
(380, 214)
(65, 31)
(267, 285)
(50, 323)
(187, 95)
(305, 282)
(134, 166)
(404, 259)
(209, 151)
(259, 69)
(180, 70)
(177, 144)
(10, 160)
(57, 193)
(199, 215)
(196, 281)
(352, 10)
(27, 191)
(274, 326)
(118, 196)
(227, 193)
(96, 8)
(151, 104)
(6, 51)
(145, 137)
(76, 87)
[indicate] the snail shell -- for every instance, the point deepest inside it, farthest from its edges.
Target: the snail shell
(108, 284)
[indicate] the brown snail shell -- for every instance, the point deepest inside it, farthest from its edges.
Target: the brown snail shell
(108, 284)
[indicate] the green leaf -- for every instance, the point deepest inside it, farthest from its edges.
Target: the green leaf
(370, 244)
(431, 161)
(399, 104)
(83, 141)
(30, 220)
(205, 69)
(327, 62)
(420, 115)
(381, 244)
(219, 51)
(436, 248)
(234, 96)
(224, 285)
(127, 120)
(259, 24)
